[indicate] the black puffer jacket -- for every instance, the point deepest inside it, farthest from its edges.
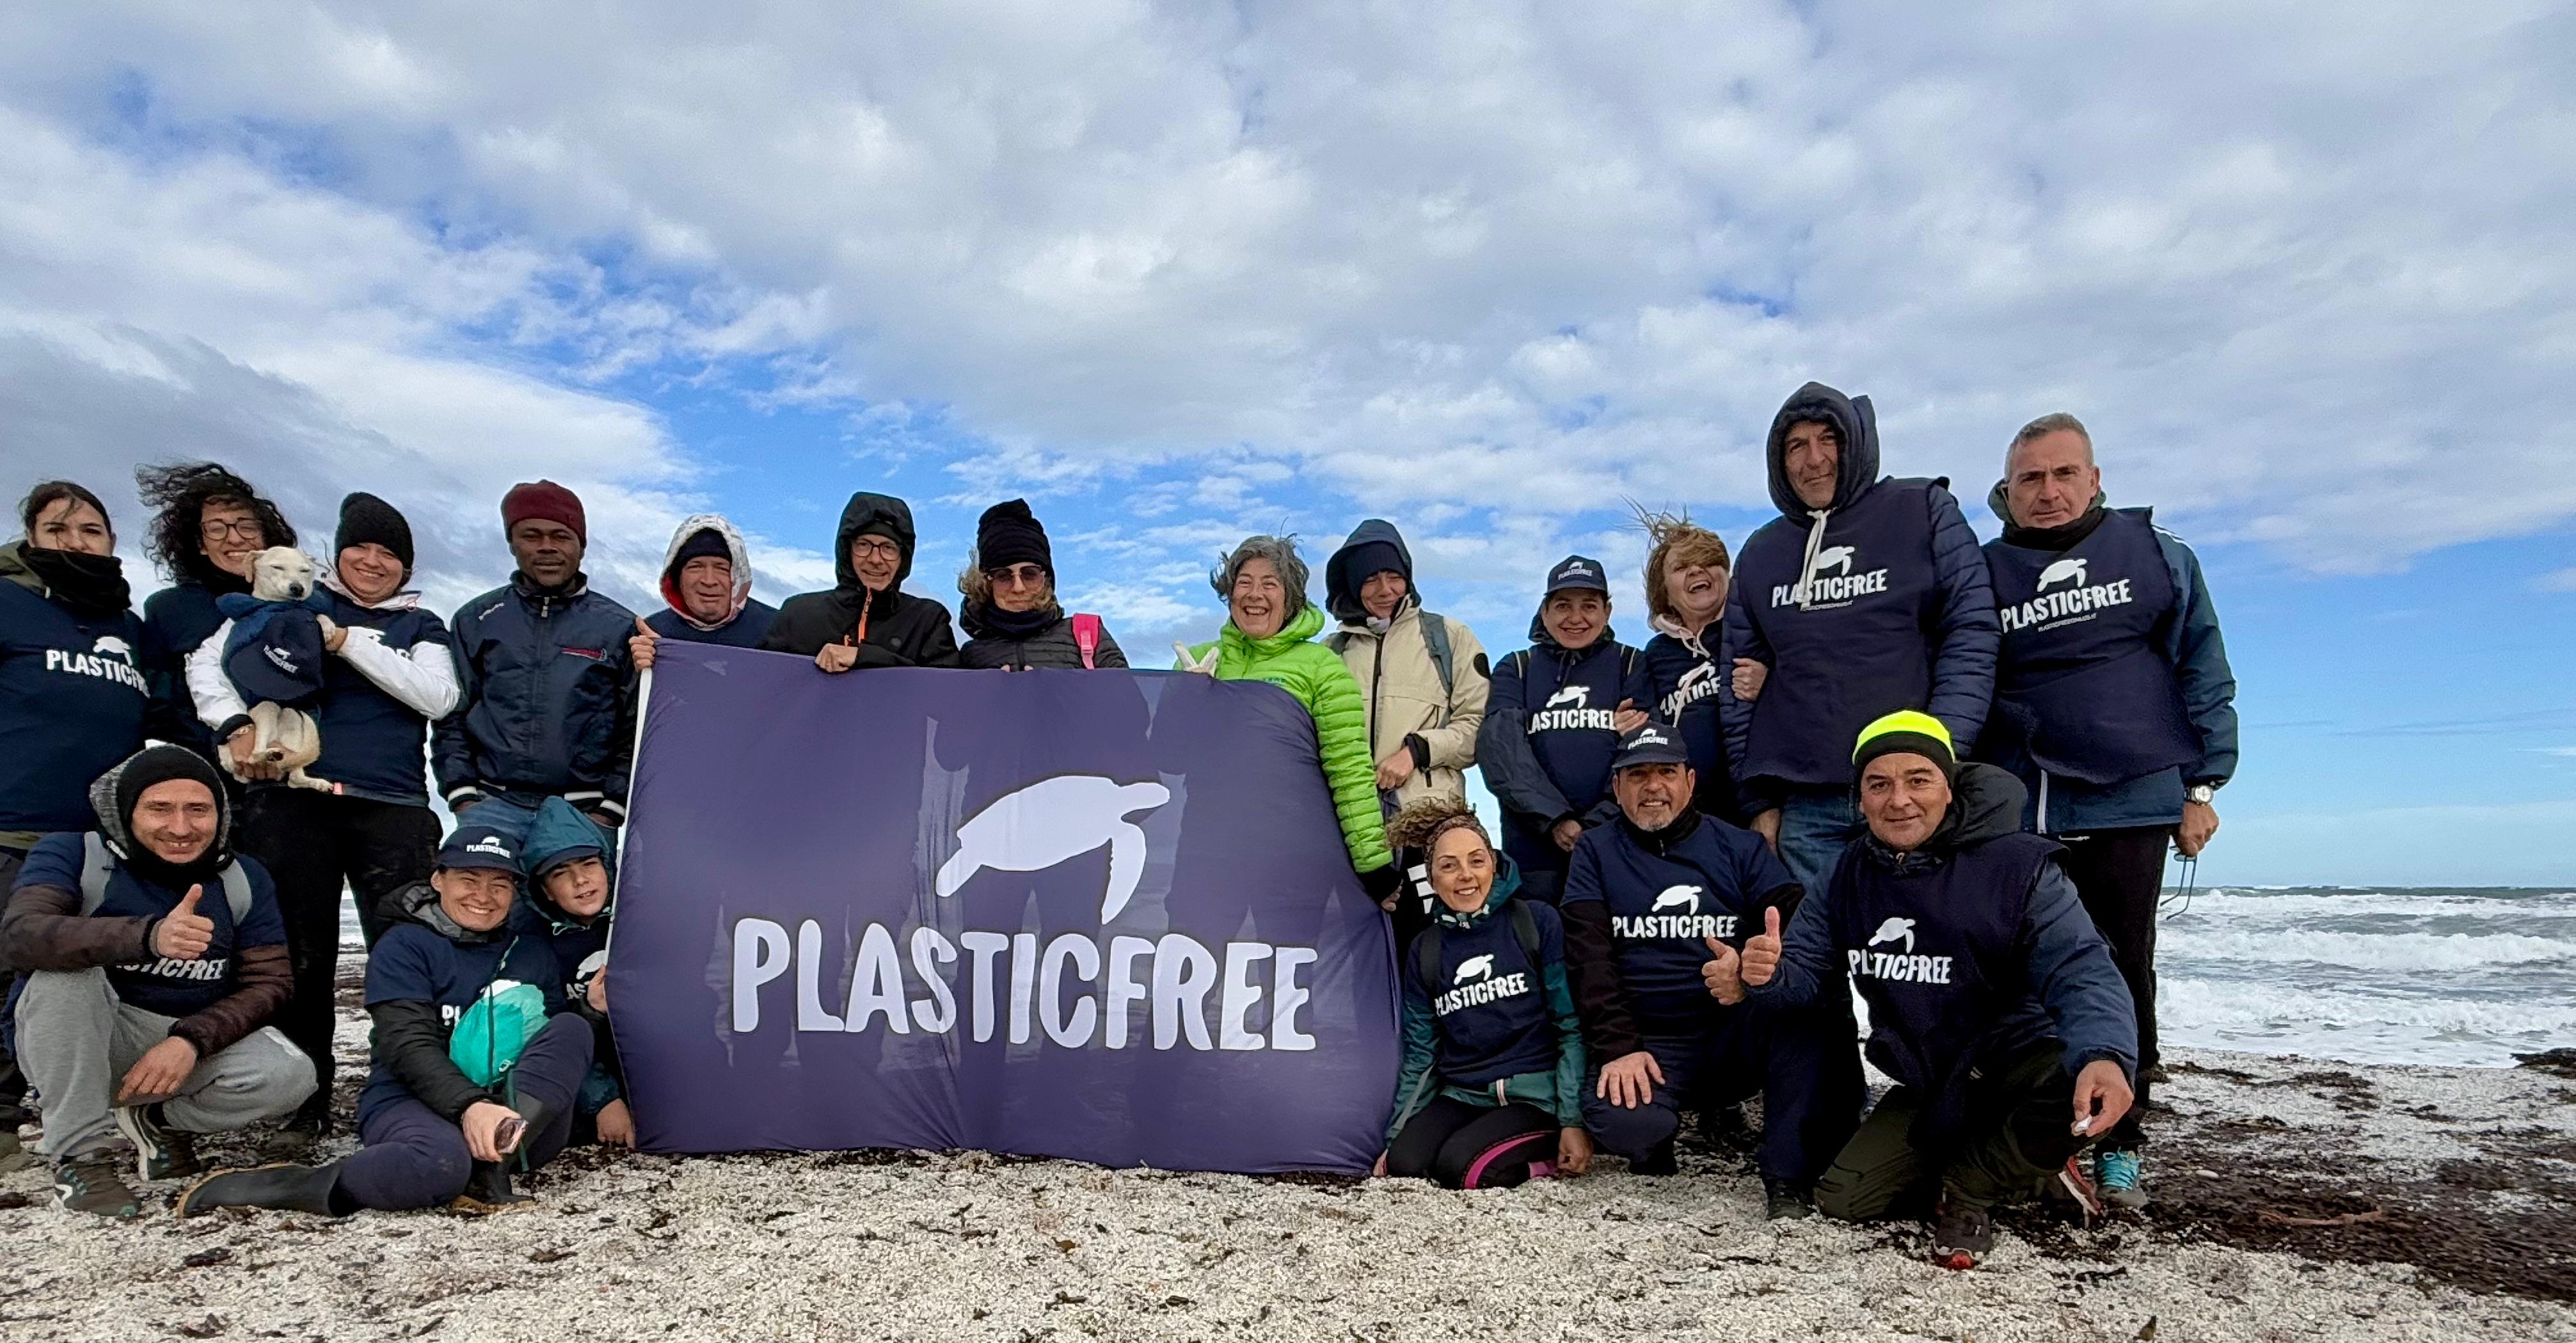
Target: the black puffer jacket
(990, 646)
(902, 630)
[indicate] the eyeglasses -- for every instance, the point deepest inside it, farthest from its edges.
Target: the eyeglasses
(876, 548)
(1017, 576)
(247, 529)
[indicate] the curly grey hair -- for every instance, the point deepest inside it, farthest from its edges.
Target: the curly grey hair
(1281, 551)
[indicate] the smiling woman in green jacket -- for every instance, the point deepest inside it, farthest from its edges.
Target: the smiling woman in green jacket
(1268, 636)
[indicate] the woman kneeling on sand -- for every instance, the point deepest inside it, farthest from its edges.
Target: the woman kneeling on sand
(1492, 1087)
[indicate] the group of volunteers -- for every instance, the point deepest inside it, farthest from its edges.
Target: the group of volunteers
(1865, 755)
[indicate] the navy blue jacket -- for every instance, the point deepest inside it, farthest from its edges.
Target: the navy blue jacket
(159, 984)
(1546, 742)
(1899, 614)
(547, 705)
(2191, 645)
(77, 695)
(179, 618)
(1968, 950)
(427, 961)
(748, 627)
(1665, 893)
(373, 742)
(1688, 679)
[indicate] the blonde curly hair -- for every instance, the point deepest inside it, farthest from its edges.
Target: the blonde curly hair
(1674, 537)
(1426, 819)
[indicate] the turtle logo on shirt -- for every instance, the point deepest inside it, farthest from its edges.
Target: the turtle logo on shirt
(2068, 570)
(1474, 967)
(1836, 558)
(109, 645)
(1676, 897)
(1580, 696)
(1894, 929)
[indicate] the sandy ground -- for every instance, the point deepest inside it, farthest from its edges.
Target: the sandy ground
(2346, 1179)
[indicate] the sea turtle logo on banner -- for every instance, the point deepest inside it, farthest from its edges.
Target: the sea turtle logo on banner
(1036, 827)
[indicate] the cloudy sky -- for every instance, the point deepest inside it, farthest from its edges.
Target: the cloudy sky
(1180, 272)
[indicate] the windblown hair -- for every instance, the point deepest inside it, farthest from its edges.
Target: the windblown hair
(180, 493)
(52, 492)
(1673, 536)
(1423, 821)
(975, 586)
(1281, 551)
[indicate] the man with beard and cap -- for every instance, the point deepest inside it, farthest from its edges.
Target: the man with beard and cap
(78, 693)
(1553, 721)
(1865, 596)
(1423, 678)
(153, 959)
(1008, 603)
(1992, 1001)
(1649, 899)
(476, 1067)
(868, 620)
(546, 704)
(571, 867)
(387, 674)
(2114, 705)
(706, 579)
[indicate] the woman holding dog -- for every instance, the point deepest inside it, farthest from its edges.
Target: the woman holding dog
(74, 695)
(208, 527)
(387, 673)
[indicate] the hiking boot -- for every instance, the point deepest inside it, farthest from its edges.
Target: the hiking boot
(92, 1184)
(2120, 1179)
(1787, 1200)
(1963, 1235)
(284, 1186)
(488, 1191)
(159, 1153)
(295, 1138)
(2074, 1184)
(1658, 1160)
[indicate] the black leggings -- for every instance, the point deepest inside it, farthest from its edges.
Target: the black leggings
(2120, 875)
(1467, 1146)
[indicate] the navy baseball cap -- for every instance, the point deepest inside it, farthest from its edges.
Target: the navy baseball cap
(481, 846)
(1578, 571)
(1653, 744)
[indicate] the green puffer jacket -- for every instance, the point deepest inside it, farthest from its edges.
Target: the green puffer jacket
(1316, 676)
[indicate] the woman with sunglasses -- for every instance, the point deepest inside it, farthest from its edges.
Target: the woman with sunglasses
(1012, 619)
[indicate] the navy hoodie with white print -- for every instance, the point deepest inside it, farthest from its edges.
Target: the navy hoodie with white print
(1492, 1023)
(1668, 891)
(1548, 739)
(76, 697)
(428, 960)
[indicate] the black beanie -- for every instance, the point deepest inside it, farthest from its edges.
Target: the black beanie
(1007, 534)
(365, 518)
(704, 543)
(158, 765)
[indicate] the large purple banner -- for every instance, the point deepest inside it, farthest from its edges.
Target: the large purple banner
(1098, 915)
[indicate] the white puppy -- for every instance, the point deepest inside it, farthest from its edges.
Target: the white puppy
(282, 737)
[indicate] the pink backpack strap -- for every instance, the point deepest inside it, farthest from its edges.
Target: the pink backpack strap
(1086, 637)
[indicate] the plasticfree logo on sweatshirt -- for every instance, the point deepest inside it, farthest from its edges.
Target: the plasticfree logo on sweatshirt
(1674, 913)
(1898, 964)
(2066, 595)
(109, 659)
(1834, 579)
(1474, 984)
(1571, 708)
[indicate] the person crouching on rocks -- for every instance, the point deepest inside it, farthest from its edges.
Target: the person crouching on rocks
(1992, 1000)
(571, 870)
(470, 1075)
(1492, 1085)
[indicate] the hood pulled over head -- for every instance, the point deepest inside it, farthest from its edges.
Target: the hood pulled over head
(1854, 422)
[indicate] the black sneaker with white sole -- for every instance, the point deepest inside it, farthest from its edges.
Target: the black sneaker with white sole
(93, 1184)
(160, 1152)
(1962, 1236)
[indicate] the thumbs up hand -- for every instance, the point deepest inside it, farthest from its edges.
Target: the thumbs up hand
(639, 645)
(1722, 973)
(183, 934)
(1762, 952)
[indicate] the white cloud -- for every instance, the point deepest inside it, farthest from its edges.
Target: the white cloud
(2556, 580)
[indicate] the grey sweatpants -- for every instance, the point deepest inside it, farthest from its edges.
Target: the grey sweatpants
(76, 1041)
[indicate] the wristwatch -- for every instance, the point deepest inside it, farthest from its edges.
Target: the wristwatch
(2202, 793)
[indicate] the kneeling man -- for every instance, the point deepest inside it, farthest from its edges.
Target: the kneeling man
(1649, 899)
(474, 1072)
(1992, 1000)
(154, 959)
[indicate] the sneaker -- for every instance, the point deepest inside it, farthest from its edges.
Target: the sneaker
(2120, 1179)
(1658, 1160)
(1963, 1236)
(91, 1184)
(159, 1153)
(295, 1138)
(2076, 1185)
(1786, 1200)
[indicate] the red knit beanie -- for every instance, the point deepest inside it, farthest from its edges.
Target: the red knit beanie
(544, 500)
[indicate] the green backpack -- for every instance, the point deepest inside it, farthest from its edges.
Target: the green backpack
(487, 1040)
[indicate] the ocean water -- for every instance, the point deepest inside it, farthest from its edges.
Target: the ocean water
(2366, 975)
(2370, 975)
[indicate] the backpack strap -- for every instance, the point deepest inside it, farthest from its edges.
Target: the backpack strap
(97, 865)
(1525, 928)
(1086, 637)
(1426, 958)
(1435, 636)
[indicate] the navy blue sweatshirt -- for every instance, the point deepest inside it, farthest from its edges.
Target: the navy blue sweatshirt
(745, 630)
(1689, 678)
(1547, 739)
(424, 957)
(180, 617)
(173, 988)
(76, 696)
(1665, 893)
(374, 746)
